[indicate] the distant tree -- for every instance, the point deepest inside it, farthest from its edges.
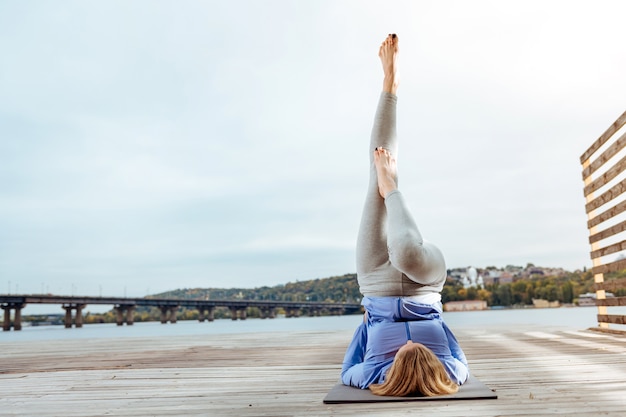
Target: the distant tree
(344, 288)
(450, 292)
(504, 295)
(518, 292)
(461, 293)
(485, 295)
(472, 293)
(567, 292)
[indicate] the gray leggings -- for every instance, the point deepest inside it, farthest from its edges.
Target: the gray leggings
(392, 258)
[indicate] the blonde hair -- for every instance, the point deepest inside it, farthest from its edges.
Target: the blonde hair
(415, 369)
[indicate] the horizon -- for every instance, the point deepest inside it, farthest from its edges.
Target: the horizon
(478, 268)
(44, 309)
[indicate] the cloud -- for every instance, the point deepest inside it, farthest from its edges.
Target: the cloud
(151, 145)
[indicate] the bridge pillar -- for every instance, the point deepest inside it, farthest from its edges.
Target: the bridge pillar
(168, 313)
(78, 319)
(164, 313)
(17, 318)
(238, 313)
(125, 310)
(119, 315)
(206, 313)
(68, 317)
(6, 326)
(130, 315)
(268, 312)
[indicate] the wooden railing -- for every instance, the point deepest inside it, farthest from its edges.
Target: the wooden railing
(606, 176)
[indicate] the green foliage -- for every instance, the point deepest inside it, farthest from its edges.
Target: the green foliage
(564, 289)
(344, 288)
(338, 289)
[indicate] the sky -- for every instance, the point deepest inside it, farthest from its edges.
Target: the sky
(147, 146)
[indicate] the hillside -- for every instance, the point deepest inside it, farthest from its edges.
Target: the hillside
(525, 284)
(339, 289)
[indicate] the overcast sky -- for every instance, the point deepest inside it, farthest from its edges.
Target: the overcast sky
(154, 145)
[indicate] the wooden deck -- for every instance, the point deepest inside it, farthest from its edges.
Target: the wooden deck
(536, 372)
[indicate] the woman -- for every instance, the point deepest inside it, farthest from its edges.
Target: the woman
(403, 343)
(404, 347)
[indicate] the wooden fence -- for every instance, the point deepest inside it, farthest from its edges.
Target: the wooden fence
(605, 176)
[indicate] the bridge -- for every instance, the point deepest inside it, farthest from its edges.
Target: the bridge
(125, 308)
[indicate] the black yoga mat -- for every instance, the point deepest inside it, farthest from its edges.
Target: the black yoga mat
(473, 389)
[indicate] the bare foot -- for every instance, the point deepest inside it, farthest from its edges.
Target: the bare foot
(388, 54)
(386, 170)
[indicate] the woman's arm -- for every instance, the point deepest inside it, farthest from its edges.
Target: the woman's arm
(458, 369)
(351, 369)
(357, 370)
(455, 348)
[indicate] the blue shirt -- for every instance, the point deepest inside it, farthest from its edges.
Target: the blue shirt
(391, 322)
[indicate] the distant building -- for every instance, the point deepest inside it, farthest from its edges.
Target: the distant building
(589, 299)
(541, 303)
(456, 274)
(467, 305)
(492, 277)
(468, 277)
(506, 278)
(473, 277)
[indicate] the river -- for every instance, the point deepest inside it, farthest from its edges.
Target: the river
(575, 318)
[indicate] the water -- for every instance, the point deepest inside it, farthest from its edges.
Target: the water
(183, 328)
(570, 317)
(574, 318)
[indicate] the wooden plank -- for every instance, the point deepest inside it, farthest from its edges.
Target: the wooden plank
(618, 228)
(611, 302)
(609, 267)
(617, 146)
(617, 125)
(614, 284)
(606, 215)
(535, 372)
(607, 250)
(607, 196)
(611, 318)
(605, 178)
